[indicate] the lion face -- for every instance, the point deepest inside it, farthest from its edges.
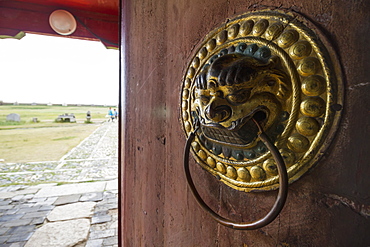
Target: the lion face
(231, 91)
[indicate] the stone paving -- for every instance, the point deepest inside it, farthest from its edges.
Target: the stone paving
(70, 202)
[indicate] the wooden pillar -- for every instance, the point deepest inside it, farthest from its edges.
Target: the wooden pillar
(330, 206)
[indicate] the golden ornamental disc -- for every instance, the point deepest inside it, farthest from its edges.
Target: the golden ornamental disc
(269, 66)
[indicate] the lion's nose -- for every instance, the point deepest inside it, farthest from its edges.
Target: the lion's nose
(218, 113)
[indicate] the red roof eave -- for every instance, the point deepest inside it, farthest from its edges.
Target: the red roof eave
(96, 19)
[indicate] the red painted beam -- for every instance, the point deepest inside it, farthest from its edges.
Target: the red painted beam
(18, 16)
(108, 7)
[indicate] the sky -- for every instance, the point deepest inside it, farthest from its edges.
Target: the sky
(58, 70)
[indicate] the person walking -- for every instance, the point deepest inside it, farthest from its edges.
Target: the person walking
(110, 115)
(115, 113)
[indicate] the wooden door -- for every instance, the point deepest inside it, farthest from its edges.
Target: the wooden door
(329, 206)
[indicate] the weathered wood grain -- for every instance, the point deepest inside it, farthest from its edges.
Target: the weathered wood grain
(327, 207)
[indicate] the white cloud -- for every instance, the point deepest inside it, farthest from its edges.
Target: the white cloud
(45, 69)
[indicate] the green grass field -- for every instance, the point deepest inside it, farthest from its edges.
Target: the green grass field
(46, 115)
(45, 140)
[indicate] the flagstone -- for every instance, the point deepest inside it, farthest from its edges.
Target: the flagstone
(70, 189)
(72, 211)
(63, 233)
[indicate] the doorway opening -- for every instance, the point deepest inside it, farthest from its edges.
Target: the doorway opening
(60, 145)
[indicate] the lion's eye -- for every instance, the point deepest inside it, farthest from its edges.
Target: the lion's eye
(271, 83)
(239, 97)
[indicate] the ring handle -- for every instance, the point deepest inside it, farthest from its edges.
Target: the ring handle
(280, 200)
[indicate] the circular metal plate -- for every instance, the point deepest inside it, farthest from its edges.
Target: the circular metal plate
(308, 101)
(62, 22)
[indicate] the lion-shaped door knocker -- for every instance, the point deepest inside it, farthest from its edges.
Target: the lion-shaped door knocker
(261, 101)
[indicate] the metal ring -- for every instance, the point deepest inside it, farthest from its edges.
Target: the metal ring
(280, 200)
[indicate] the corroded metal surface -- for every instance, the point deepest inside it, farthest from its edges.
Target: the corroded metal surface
(267, 65)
